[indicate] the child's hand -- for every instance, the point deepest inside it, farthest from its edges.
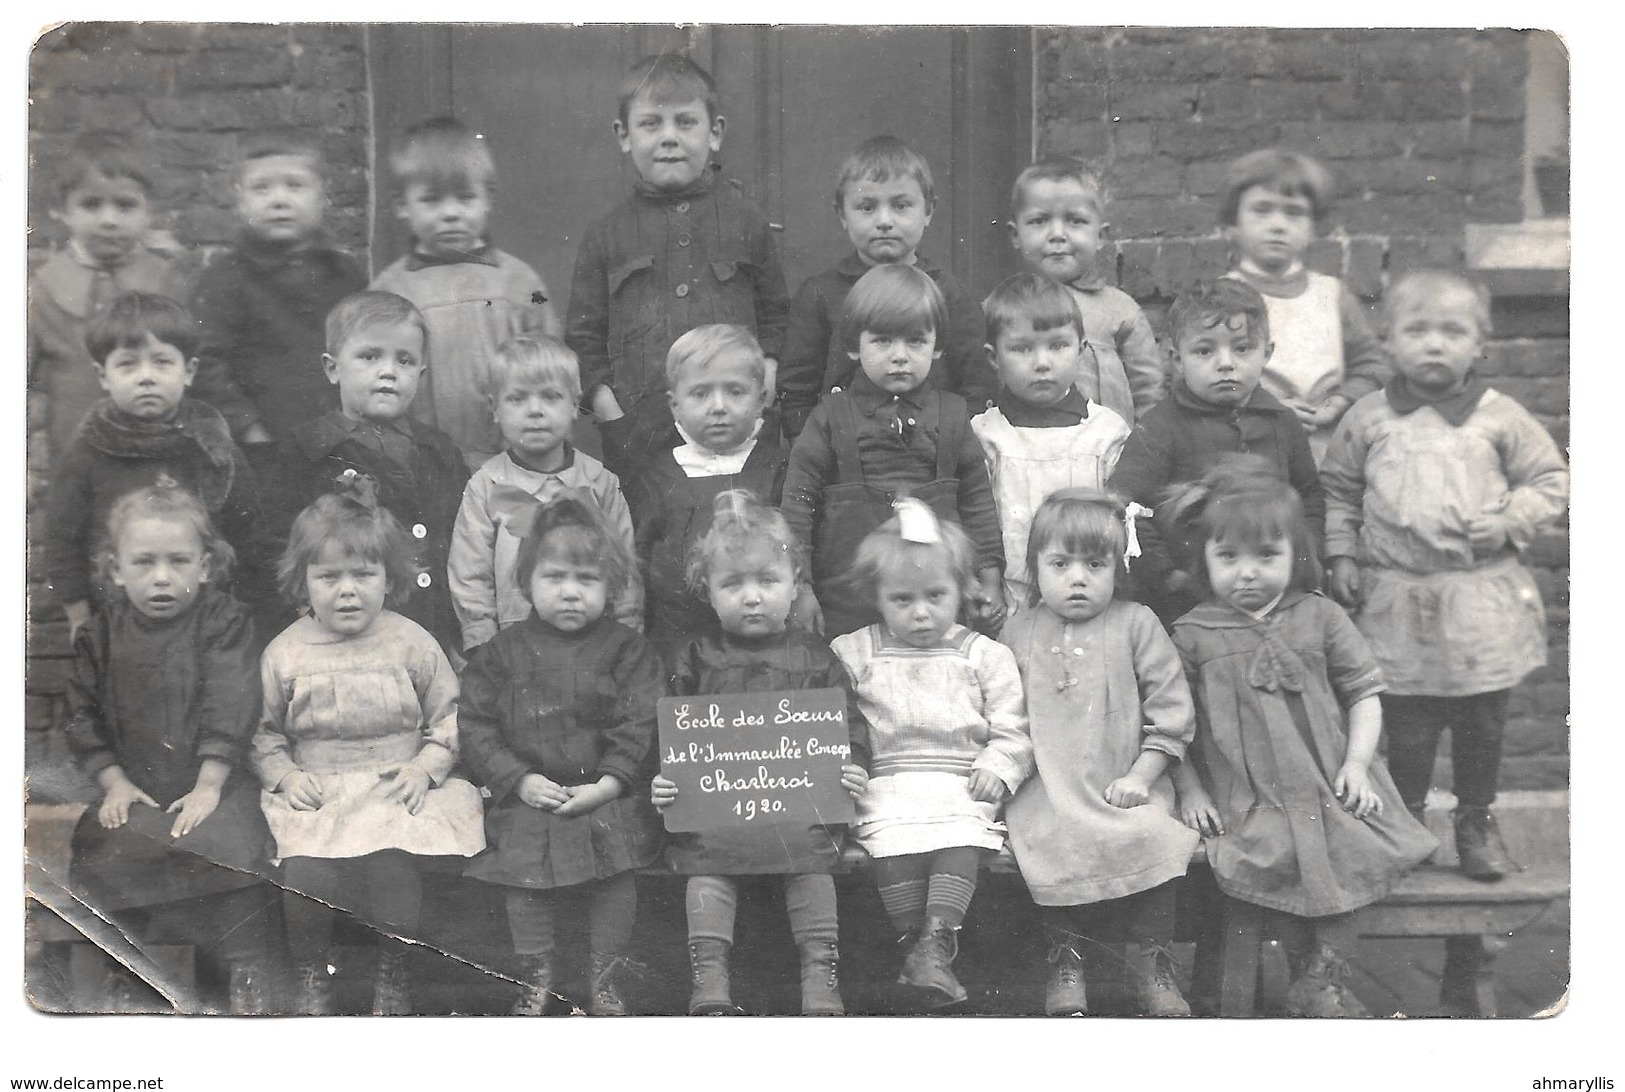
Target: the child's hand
(409, 785)
(805, 611)
(254, 434)
(987, 607)
(586, 798)
(115, 809)
(78, 614)
(303, 790)
(1179, 582)
(1344, 573)
(539, 792)
(662, 792)
(987, 787)
(1329, 412)
(1197, 811)
(1304, 411)
(1128, 791)
(1353, 786)
(1487, 533)
(194, 807)
(854, 779)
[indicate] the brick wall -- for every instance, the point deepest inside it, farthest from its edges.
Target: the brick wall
(187, 93)
(1424, 132)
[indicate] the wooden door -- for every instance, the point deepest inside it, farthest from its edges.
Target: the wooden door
(797, 99)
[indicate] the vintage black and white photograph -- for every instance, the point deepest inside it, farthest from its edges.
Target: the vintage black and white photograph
(727, 519)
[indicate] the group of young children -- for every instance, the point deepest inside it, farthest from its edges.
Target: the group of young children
(1071, 585)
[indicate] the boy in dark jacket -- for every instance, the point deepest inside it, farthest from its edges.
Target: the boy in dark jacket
(261, 303)
(375, 356)
(147, 431)
(1219, 339)
(685, 249)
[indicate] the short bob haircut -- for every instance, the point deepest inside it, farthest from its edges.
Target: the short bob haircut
(884, 551)
(741, 522)
(571, 528)
(132, 316)
(1060, 168)
(1244, 502)
(897, 300)
(534, 361)
(172, 504)
(353, 526)
(1207, 304)
(101, 155)
(1085, 522)
(270, 143)
(704, 344)
(881, 159)
(367, 310)
(667, 78)
(442, 154)
(1290, 174)
(1042, 301)
(1425, 284)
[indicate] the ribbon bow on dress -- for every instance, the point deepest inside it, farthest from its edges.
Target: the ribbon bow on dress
(1275, 666)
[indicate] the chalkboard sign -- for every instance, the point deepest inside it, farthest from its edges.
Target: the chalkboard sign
(741, 759)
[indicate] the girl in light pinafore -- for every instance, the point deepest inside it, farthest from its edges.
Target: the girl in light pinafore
(356, 744)
(947, 733)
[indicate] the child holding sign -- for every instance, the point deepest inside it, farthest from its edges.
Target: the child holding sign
(749, 565)
(558, 722)
(948, 728)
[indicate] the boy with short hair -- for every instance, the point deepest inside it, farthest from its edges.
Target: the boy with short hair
(684, 250)
(720, 382)
(1057, 224)
(472, 295)
(262, 302)
(1327, 357)
(103, 195)
(1041, 433)
(884, 198)
(375, 357)
(534, 390)
(145, 432)
(1219, 342)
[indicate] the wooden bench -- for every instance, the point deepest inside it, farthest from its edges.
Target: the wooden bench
(1234, 964)
(1237, 971)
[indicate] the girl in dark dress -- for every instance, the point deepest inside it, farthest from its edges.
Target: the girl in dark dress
(748, 565)
(163, 701)
(557, 718)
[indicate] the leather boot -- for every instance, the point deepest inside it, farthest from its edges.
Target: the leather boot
(606, 997)
(391, 993)
(1322, 989)
(535, 985)
(711, 994)
(929, 965)
(820, 979)
(1478, 843)
(248, 993)
(312, 989)
(1151, 969)
(1065, 993)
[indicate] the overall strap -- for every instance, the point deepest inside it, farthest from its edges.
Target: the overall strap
(843, 427)
(952, 413)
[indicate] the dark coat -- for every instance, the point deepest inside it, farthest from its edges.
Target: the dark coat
(572, 707)
(1180, 439)
(423, 495)
(156, 697)
(263, 310)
